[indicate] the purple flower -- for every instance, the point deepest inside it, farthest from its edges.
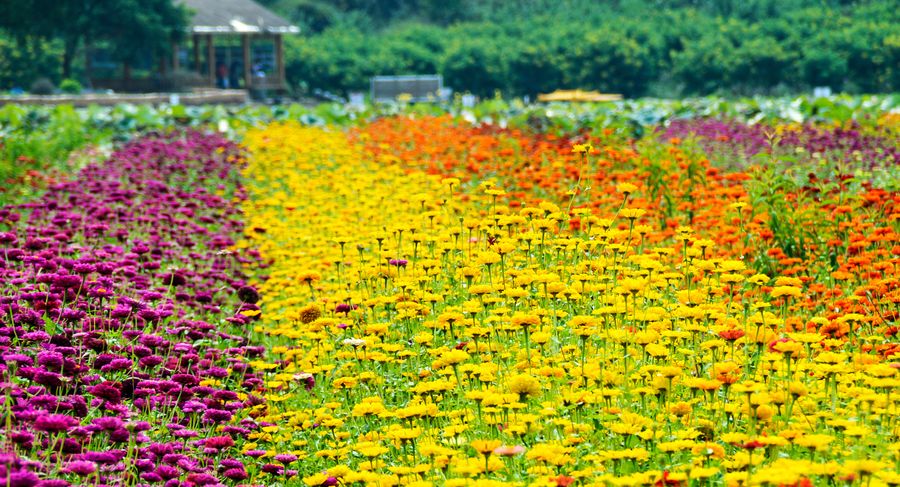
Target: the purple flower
(53, 483)
(45, 401)
(216, 416)
(185, 433)
(200, 479)
(117, 364)
(17, 358)
(151, 477)
(248, 294)
(23, 438)
(186, 379)
(54, 423)
(235, 474)
(21, 479)
(150, 361)
(48, 379)
(108, 391)
(81, 468)
(103, 457)
(167, 472)
(272, 468)
(231, 463)
(50, 360)
(36, 336)
(138, 426)
(285, 458)
(219, 442)
(83, 269)
(108, 423)
(8, 238)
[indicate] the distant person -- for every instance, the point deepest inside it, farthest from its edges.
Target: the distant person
(235, 74)
(259, 74)
(221, 76)
(259, 70)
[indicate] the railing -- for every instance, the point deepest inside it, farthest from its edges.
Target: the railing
(132, 85)
(204, 97)
(418, 87)
(267, 83)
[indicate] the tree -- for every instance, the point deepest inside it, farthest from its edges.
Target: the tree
(131, 26)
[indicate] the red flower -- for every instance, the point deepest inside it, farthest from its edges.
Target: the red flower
(776, 342)
(665, 480)
(564, 481)
(731, 335)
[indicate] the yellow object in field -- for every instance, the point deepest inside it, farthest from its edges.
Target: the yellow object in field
(579, 95)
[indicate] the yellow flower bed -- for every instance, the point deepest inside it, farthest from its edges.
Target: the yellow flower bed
(421, 333)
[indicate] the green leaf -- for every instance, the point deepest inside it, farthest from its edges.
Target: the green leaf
(50, 326)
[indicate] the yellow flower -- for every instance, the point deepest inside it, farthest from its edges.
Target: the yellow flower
(582, 148)
(315, 479)
(814, 441)
(524, 385)
(485, 447)
(626, 188)
(790, 291)
(520, 320)
(702, 472)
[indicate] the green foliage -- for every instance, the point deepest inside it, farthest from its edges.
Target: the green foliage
(635, 48)
(475, 65)
(42, 86)
(132, 27)
(70, 86)
(23, 62)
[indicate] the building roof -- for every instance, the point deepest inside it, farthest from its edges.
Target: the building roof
(235, 17)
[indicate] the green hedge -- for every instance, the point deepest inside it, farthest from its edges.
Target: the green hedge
(671, 52)
(24, 62)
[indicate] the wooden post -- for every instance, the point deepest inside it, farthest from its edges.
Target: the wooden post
(163, 65)
(88, 65)
(211, 60)
(196, 46)
(126, 77)
(175, 57)
(245, 40)
(279, 60)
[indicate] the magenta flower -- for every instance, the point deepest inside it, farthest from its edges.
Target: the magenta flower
(54, 423)
(81, 468)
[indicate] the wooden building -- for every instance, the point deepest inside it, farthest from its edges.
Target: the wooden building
(231, 44)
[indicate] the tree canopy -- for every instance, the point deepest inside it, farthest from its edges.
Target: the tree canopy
(634, 47)
(132, 27)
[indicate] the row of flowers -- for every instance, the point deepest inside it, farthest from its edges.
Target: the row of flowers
(453, 305)
(123, 318)
(848, 147)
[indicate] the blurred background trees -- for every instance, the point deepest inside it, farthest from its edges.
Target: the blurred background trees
(634, 47)
(53, 33)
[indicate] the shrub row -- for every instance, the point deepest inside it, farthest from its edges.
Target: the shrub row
(670, 53)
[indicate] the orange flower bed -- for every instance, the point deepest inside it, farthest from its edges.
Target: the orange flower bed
(851, 245)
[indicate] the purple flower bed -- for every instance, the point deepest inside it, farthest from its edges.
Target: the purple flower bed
(866, 149)
(124, 348)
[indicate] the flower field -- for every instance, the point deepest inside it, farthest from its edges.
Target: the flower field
(418, 300)
(123, 347)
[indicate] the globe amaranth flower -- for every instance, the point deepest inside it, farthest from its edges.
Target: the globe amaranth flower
(54, 423)
(81, 468)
